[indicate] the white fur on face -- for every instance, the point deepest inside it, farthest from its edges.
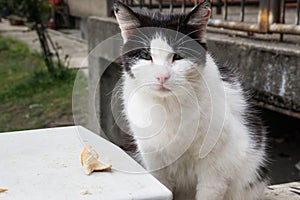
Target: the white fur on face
(161, 52)
(147, 71)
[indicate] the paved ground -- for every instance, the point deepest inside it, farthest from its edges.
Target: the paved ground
(75, 48)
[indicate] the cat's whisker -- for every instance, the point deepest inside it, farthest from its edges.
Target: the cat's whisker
(187, 35)
(110, 92)
(192, 58)
(146, 37)
(116, 90)
(143, 43)
(117, 39)
(185, 50)
(116, 95)
(120, 115)
(142, 40)
(177, 31)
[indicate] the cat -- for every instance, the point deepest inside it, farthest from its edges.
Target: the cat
(190, 118)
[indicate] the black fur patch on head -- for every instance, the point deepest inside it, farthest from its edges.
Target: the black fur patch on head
(175, 22)
(191, 24)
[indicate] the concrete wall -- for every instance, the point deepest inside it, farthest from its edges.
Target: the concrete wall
(271, 70)
(100, 89)
(86, 8)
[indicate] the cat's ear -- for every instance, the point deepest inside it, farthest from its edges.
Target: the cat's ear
(127, 19)
(198, 18)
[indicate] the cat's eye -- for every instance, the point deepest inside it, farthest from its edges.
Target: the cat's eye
(145, 56)
(177, 57)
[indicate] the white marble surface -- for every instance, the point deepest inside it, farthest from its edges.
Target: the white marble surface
(45, 164)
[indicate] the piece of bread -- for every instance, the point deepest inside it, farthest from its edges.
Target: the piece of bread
(90, 162)
(3, 189)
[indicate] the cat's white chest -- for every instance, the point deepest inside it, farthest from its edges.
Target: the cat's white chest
(139, 112)
(147, 118)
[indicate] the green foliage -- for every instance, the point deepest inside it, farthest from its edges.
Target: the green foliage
(37, 82)
(29, 96)
(13, 46)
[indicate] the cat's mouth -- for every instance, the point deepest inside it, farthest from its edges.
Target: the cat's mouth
(159, 90)
(162, 88)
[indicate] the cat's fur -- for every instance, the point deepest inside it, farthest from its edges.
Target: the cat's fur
(192, 124)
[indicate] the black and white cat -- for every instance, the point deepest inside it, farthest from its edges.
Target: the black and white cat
(190, 120)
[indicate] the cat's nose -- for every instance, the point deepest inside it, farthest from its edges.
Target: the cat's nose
(162, 78)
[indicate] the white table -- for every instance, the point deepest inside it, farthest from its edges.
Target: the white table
(45, 164)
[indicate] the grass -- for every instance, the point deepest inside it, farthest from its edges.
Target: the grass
(29, 97)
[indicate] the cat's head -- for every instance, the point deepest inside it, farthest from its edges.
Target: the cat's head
(163, 52)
